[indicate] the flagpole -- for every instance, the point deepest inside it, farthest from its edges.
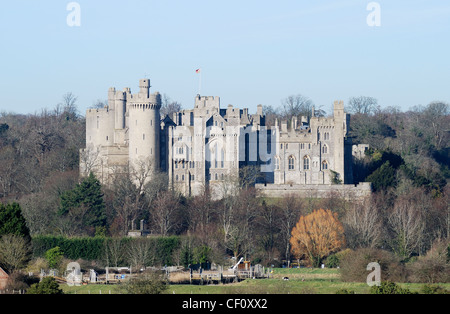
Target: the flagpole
(200, 82)
(199, 72)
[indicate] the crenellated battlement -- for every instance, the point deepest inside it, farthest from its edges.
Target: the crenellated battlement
(144, 106)
(207, 102)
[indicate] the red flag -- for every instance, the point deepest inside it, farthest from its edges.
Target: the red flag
(197, 71)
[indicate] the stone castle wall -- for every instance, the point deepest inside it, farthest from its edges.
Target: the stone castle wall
(345, 191)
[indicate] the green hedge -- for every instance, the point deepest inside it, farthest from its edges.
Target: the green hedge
(93, 248)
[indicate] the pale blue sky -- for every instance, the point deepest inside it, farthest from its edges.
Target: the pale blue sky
(251, 52)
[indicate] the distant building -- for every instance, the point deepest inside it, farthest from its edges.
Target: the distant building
(208, 145)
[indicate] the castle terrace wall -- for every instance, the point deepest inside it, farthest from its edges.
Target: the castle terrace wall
(349, 192)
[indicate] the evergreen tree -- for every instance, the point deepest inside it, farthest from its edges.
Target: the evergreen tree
(12, 221)
(383, 177)
(85, 200)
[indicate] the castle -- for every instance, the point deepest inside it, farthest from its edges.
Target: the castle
(208, 145)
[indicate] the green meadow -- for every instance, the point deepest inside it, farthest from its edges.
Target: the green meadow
(301, 281)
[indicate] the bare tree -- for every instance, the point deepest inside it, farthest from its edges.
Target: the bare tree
(363, 224)
(164, 212)
(238, 220)
(297, 105)
(271, 115)
(290, 211)
(99, 104)
(69, 105)
(437, 120)
(269, 229)
(89, 160)
(362, 105)
(15, 252)
(139, 252)
(114, 251)
(127, 199)
(406, 223)
(169, 107)
(202, 213)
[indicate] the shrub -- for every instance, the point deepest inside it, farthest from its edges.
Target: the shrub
(353, 266)
(332, 261)
(388, 287)
(54, 257)
(20, 281)
(345, 291)
(429, 289)
(433, 267)
(147, 283)
(48, 285)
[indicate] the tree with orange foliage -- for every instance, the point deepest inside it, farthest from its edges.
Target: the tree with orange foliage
(317, 235)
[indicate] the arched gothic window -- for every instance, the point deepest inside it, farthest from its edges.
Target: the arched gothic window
(291, 163)
(306, 162)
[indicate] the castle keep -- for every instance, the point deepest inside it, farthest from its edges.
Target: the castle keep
(208, 145)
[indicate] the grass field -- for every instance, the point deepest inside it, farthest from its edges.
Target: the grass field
(301, 281)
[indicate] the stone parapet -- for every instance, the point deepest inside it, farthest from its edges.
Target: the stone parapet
(346, 191)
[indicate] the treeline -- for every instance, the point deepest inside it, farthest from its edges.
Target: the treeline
(407, 163)
(40, 152)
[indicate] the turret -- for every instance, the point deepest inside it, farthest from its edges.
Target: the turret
(340, 133)
(144, 85)
(144, 126)
(120, 108)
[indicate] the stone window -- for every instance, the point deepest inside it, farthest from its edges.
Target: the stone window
(306, 162)
(277, 163)
(325, 149)
(324, 165)
(291, 163)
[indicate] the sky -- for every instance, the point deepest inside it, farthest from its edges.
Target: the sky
(249, 52)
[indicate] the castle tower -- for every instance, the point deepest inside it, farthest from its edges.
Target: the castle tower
(341, 128)
(144, 127)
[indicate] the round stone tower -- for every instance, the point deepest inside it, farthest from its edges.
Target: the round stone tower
(144, 127)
